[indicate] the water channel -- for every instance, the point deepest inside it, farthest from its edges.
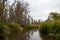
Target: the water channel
(33, 35)
(36, 35)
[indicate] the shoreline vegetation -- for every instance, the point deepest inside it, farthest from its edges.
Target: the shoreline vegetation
(13, 30)
(51, 27)
(15, 20)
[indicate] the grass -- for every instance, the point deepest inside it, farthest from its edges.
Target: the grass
(52, 27)
(7, 29)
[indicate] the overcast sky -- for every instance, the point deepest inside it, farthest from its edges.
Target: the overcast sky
(40, 9)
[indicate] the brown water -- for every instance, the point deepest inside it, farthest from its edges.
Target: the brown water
(31, 35)
(35, 35)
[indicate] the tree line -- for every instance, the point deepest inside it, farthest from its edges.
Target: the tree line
(51, 27)
(13, 16)
(17, 12)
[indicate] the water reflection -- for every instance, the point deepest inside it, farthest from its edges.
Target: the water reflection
(33, 35)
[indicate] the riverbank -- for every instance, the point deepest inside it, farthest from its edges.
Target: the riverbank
(51, 29)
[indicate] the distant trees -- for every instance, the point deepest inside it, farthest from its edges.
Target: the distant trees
(51, 26)
(12, 16)
(1, 9)
(54, 16)
(17, 12)
(21, 12)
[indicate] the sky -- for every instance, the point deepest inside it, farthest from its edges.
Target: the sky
(40, 9)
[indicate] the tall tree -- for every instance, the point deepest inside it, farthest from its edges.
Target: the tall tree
(54, 16)
(1, 10)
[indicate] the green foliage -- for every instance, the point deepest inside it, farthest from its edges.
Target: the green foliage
(4, 29)
(55, 27)
(54, 15)
(44, 27)
(1, 9)
(14, 26)
(27, 26)
(7, 29)
(50, 27)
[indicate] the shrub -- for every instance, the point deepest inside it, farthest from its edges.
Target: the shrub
(14, 26)
(7, 29)
(4, 30)
(50, 27)
(44, 27)
(27, 26)
(55, 27)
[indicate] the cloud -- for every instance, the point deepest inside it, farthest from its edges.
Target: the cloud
(40, 9)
